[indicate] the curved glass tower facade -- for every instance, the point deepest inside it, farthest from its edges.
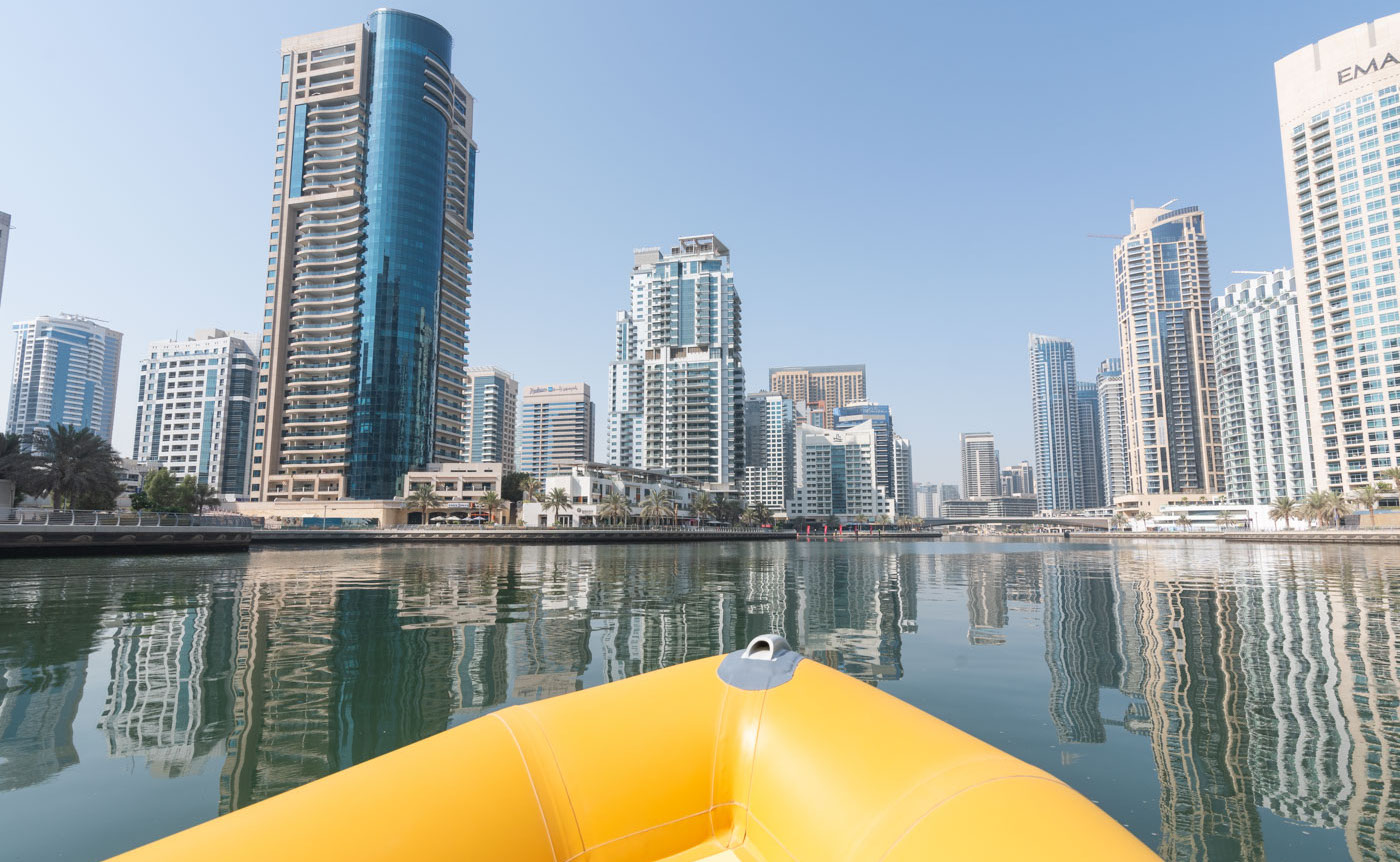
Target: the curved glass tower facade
(364, 347)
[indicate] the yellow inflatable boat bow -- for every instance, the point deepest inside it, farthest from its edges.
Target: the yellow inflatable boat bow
(759, 755)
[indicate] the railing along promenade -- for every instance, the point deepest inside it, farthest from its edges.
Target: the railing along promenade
(40, 532)
(514, 535)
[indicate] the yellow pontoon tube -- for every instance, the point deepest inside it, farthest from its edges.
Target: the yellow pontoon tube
(759, 756)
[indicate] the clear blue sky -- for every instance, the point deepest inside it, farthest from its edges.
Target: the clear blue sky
(904, 185)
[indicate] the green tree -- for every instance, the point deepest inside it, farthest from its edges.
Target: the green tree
(1183, 520)
(659, 506)
(1284, 509)
(557, 501)
(1118, 521)
(194, 497)
(159, 492)
(528, 486)
(492, 503)
(613, 506)
(19, 466)
(1368, 496)
(423, 498)
(78, 469)
(1314, 509)
(728, 510)
(1226, 520)
(1336, 508)
(702, 506)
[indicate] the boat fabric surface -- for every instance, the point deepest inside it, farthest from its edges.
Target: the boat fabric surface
(679, 766)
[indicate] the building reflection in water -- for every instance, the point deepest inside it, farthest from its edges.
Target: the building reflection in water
(1269, 689)
(1276, 687)
(330, 671)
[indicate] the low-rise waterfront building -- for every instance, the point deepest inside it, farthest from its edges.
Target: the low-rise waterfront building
(65, 373)
(586, 486)
(556, 428)
(991, 507)
(459, 487)
(131, 474)
(194, 408)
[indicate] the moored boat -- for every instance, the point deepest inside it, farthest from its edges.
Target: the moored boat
(756, 756)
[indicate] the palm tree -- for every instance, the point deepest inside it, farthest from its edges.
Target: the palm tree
(1393, 474)
(1226, 520)
(1315, 507)
(491, 502)
(750, 516)
(423, 498)
(702, 506)
(764, 516)
(530, 487)
(1183, 520)
(1118, 521)
(1284, 509)
(1337, 508)
(1143, 516)
(614, 507)
(659, 506)
(19, 466)
(78, 469)
(556, 501)
(1368, 496)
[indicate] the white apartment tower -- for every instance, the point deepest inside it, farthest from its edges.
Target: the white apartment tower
(626, 374)
(769, 449)
(835, 474)
(1339, 120)
(194, 407)
(1162, 282)
(491, 396)
(981, 469)
(687, 316)
(1263, 403)
(1113, 429)
(65, 373)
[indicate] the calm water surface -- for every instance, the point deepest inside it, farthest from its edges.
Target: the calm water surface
(1225, 702)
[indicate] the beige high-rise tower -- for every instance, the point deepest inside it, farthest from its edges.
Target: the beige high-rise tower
(362, 362)
(1162, 280)
(822, 388)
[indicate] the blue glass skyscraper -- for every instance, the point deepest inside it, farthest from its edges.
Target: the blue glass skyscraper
(363, 352)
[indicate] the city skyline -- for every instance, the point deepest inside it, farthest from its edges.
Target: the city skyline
(1237, 181)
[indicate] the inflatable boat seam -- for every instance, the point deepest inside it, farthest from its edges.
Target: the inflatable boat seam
(558, 771)
(773, 835)
(714, 759)
(945, 800)
(524, 761)
(753, 765)
(701, 813)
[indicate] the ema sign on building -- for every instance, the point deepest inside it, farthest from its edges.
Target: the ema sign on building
(1353, 72)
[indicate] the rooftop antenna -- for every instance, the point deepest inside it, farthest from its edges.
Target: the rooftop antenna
(1168, 203)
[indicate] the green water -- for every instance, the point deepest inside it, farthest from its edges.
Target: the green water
(1225, 702)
